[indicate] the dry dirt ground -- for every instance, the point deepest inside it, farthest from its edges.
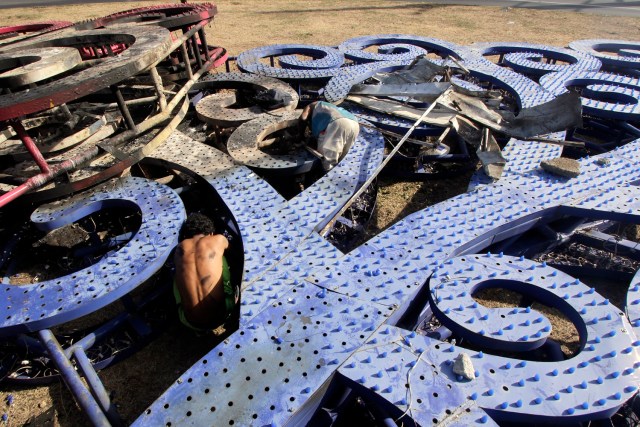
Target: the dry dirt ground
(245, 24)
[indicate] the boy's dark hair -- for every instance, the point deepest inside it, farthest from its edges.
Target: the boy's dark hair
(196, 223)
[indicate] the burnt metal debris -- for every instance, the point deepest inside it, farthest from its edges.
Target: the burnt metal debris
(113, 129)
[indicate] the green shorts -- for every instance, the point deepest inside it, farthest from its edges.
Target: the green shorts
(230, 296)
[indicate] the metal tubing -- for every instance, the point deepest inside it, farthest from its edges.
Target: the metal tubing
(186, 60)
(157, 83)
(203, 42)
(123, 107)
(96, 387)
(65, 110)
(197, 51)
(30, 145)
(629, 128)
(41, 179)
(90, 339)
(600, 240)
(84, 398)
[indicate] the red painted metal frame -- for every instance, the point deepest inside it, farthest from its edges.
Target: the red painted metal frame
(216, 57)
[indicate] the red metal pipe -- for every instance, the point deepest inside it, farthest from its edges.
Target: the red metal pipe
(30, 145)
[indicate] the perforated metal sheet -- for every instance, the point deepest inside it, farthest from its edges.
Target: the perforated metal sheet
(85, 291)
(271, 368)
(249, 61)
(354, 48)
(530, 58)
(244, 144)
(600, 49)
(214, 109)
(604, 95)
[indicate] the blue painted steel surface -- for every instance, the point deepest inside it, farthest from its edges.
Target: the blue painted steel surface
(69, 297)
(273, 367)
(633, 304)
(525, 91)
(82, 394)
(276, 234)
(600, 49)
(249, 61)
(354, 48)
(590, 385)
(321, 57)
(388, 271)
(521, 156)
(309, 311)
(530, 58)
(604, 95)
(397, 365)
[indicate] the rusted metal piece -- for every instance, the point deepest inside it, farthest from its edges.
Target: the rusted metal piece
(137, 58)
(147, 46)
(93, 157)
(170, 16)
(15, 150)
(84, 155)
(245, 144)
(15, 33)
(24, 67)
(157, 84)
(30, 146)
(123, 107)
(185, 60)
(214, 109)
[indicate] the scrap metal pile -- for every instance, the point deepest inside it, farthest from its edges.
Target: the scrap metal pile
(131, 105)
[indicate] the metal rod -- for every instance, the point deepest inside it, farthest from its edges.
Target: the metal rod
(123, 107)
(157, 83)
(375, 173)
(30, 146)
(203, 42)
(186, 60)
(629, 128)
(65, 110)
(40, 179)
(91, 338)
(196, 51)
(84, 398)
(96, 387)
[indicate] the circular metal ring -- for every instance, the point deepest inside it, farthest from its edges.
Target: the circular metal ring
(244, 143)
(599, 49)
(214, 109)
(354, 48)
(170, 16)
(525, 91)
(249, 61)
(147, 45)
(15, 33)
(527, 58)
(604, 95)
(341, 83)
(28, 66)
